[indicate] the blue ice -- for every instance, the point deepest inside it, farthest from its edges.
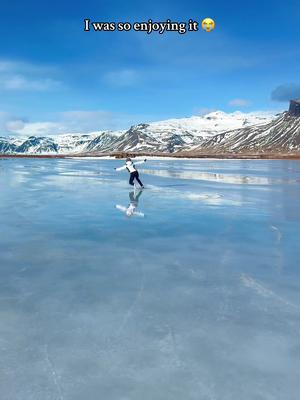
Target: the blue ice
(195, 295)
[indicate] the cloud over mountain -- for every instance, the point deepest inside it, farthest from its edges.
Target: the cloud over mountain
(286, 92)
(239, 102)
(23, 76)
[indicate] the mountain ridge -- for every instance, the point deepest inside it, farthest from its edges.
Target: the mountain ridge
(169, 136)
(281, 134)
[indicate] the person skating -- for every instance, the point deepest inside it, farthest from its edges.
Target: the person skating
(134, 175)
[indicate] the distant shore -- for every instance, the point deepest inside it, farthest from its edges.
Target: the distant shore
(179, 155)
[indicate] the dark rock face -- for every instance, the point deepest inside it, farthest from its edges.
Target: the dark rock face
(39, 145)
(294, 108)
(6, 146)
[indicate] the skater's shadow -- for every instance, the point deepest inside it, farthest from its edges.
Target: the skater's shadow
(131, 209)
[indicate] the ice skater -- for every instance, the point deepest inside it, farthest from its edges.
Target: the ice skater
(134, 175)
(130, 210)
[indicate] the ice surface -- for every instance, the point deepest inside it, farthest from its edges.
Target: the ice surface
(197, 300)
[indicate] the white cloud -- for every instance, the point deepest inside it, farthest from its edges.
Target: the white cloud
(6, 66)
(14, 125)
(13, 66)
(239, 103)
(22, 76)
(78, 121)
(286, 92)
(204, 111)
(122, 78)
(87, 121)
(8, 122)
(39, 129)
(19, 82)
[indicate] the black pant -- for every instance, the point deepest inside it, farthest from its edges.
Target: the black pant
(134, 175)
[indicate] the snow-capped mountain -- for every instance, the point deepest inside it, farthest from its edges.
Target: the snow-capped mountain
(164, 136)
(186, 133)
(281, 134)
(209, 124)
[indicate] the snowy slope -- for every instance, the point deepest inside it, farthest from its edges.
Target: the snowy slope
(281, 134)
(209, 124)
(186, 133)
(165, 136)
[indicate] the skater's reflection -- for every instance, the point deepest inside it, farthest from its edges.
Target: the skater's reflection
(130, 210)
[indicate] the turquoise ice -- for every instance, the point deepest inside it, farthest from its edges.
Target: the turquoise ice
(198, 298)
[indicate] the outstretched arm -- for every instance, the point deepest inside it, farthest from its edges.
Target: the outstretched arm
(120, 168)
(121, 208)
(140, 162)
(139, 214)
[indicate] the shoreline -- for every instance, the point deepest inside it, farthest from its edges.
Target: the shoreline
(176, 156)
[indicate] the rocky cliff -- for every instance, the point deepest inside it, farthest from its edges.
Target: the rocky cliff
(294, 108)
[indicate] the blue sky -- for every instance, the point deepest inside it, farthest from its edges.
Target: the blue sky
(56, 77)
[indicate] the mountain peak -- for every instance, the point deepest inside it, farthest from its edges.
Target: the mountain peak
(167, 136)
(295, 108)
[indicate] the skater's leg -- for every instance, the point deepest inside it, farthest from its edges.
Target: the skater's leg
(138, 179)
(133, 200)
(138, 195)
(131, 197)
(131, 179)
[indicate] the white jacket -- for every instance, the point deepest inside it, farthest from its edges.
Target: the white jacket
(130, 166)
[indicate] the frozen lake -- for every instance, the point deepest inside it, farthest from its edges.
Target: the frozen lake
(196, 296)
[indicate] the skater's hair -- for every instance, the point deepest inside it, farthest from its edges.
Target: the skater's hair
(128, 159)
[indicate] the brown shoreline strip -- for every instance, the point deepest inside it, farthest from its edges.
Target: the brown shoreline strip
(229, 156)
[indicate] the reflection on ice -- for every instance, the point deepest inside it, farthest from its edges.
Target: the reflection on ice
(213, 199)
(80, 173)
(216, 177)
(131, 209)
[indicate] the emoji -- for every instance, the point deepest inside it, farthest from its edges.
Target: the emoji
(208, 24)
